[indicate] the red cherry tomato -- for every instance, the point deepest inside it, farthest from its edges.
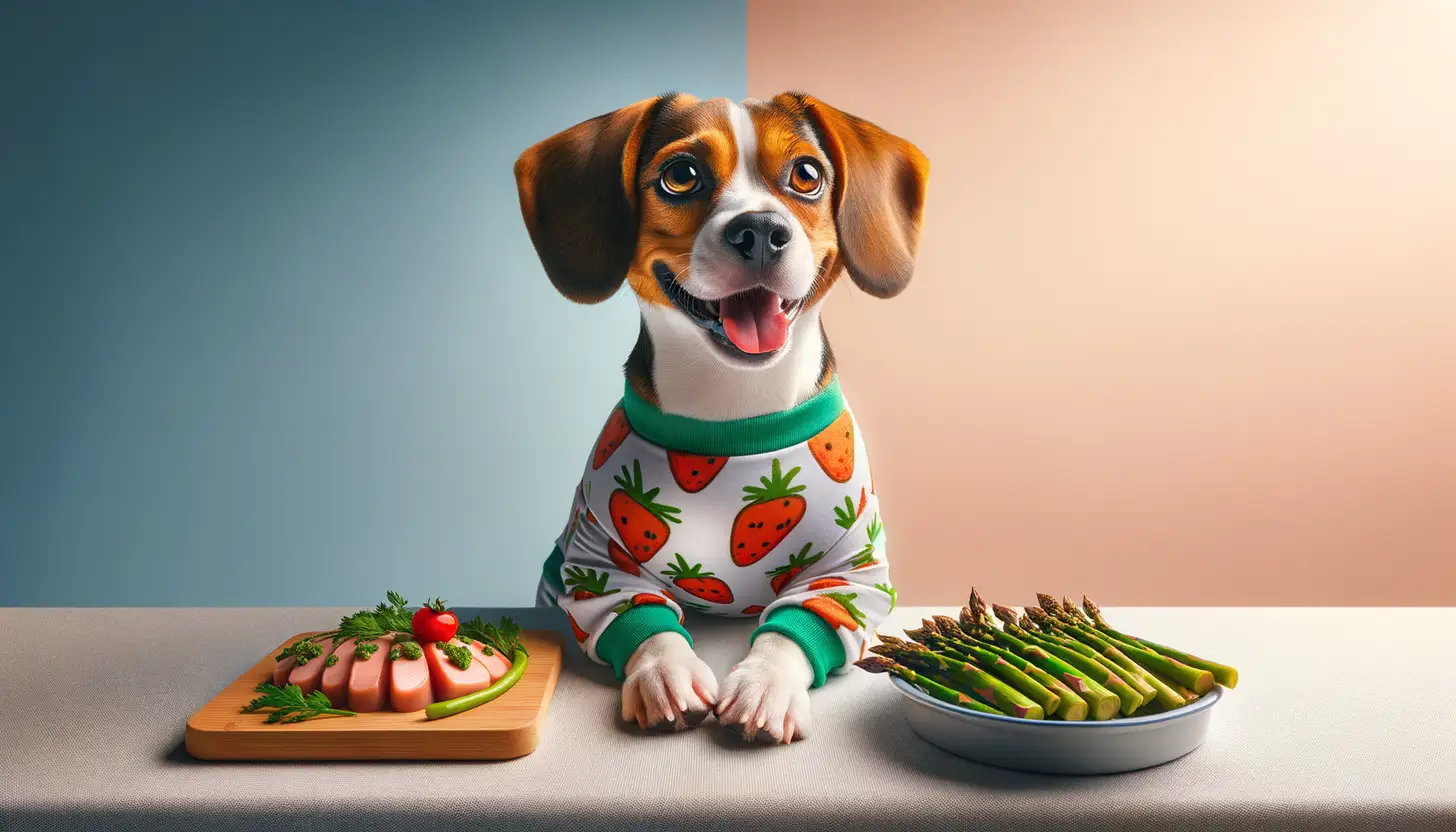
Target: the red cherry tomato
(433, 622)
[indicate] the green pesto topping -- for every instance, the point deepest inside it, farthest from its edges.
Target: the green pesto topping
(409, 649)
(394, 654)
(306, 650)
(332, 660)
(458, 656)
(364, 650)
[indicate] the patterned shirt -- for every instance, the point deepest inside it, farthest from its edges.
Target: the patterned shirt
(773, 516)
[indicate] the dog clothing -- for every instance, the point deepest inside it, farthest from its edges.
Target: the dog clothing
(773, 516)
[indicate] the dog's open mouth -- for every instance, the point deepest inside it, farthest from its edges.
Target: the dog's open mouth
(753, 322)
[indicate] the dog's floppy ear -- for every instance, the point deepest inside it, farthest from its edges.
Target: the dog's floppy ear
(879, 196)
(579, 199)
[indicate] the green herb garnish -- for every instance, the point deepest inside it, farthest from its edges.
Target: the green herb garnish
(409, 649)
(332, 660)
(386, 619)
(364, 649)
(288, 704)
(394, 654)
(458, 656)
(301, 650)
(505, 638)
(390, 617)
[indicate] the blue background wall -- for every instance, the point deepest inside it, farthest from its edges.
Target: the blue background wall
(271, 329)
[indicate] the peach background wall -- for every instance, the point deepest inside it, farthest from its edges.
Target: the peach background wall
(1184, 325)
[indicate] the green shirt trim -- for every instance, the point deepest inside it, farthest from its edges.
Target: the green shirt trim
(633, 627)
(551, 570)
(813, 635)
(735, 437)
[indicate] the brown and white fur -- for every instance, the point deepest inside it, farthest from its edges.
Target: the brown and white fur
(779, 196)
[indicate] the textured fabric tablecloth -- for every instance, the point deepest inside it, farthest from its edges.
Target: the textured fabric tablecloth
(1341, 722)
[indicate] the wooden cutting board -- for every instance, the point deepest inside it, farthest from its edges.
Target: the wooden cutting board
(508, 727)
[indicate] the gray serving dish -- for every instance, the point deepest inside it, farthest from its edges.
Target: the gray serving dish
(1055, 747)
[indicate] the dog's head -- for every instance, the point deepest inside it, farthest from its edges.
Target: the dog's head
(738, 217)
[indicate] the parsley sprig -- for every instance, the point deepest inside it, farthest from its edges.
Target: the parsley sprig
(288, 704)
(505, 638)
(391, 618)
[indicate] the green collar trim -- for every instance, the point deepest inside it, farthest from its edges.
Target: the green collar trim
(737, 437)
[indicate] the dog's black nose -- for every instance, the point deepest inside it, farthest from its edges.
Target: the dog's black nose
(759, 236)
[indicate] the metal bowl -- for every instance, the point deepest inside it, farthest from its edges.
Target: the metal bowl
(1052, 746)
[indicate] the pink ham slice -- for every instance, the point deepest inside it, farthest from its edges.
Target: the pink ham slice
(409, 684)
(280, 673)
(335, 684)
(308, 675)
(450, 681)
(369, 680)
(495, 662)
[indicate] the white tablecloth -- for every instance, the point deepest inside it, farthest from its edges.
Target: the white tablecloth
(1342, 721)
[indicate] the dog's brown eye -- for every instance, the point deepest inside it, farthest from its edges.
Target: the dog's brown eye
(680, 178)
(806, 178)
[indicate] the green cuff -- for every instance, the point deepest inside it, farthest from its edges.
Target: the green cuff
(551, 570)
(633, 627)
(813, 635)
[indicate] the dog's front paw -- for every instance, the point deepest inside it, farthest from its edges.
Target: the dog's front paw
(668, 688)
(766, 696)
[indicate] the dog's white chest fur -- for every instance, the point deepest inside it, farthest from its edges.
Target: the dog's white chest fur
(693, 379)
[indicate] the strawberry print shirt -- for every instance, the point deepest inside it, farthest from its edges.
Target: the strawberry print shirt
(773, 517)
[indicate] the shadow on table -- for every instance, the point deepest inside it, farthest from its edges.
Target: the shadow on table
(892, 742)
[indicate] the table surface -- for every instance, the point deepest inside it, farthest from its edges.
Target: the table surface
(1341, 722)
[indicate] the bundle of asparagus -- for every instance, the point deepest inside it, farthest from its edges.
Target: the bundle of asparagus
(1054, 660)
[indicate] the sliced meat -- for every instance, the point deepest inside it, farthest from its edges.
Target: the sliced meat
(496, 663)
(281, 671)
(449, 681)
(335, 684)
(409, 684)
(369, 679)
(308, 675)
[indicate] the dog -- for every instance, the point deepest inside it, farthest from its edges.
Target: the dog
(731, 479)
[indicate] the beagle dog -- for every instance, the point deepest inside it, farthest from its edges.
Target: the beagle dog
(731, 479)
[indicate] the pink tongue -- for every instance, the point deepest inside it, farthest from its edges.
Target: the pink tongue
(754, 322)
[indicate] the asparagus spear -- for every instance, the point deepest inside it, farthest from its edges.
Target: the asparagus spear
(1188, 695)
(991, 690)
(1074, 704)
(963, 676)
(1222, 673)
(880, 664)
(1162, 692)
(1101, 702)
(1050, 700)
(1094, 670)
(1075, 611)
(1156, 680)
(1019, 681)
(1170, 694)
(977, 609)
(1200, 680)
(1127, 669)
